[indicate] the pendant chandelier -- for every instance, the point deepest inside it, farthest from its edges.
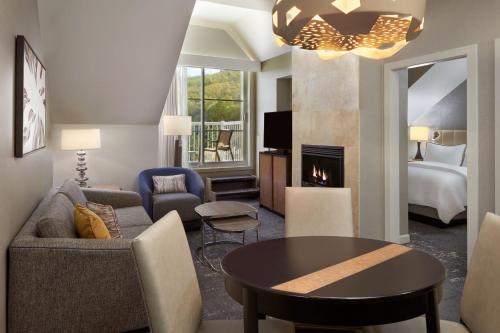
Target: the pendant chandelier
(375, 29)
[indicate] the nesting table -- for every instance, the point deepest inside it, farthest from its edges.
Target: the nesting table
(334, 281)
(230, 217)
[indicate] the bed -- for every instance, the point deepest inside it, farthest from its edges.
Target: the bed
(437, 186)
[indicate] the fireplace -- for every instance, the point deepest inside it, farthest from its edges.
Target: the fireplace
(322, 166)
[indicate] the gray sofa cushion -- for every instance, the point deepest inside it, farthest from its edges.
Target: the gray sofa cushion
(132, 216)
(133, 232)
(183, 203)
(58, 222)
(73, 192)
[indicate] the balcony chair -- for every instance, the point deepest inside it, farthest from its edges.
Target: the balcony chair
(223, 143)
(158, 205)
(170, 286)
(481, 296)
(315, 211)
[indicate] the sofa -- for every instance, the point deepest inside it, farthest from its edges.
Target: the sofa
(159, 205)
(66, 284)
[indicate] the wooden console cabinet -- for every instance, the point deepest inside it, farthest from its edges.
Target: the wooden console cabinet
(275, 172)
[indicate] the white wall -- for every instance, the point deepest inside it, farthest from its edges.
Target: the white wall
(24, 181)
(211, 42)
(478, 24)
(267, 91)
(126, 151)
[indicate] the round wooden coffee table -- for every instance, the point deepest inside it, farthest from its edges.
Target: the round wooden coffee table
(334, 281)
(227, 217)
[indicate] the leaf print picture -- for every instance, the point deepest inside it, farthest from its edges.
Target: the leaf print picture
(30, 127)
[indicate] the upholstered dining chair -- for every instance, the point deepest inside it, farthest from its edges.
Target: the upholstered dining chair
(170, 286)
(316, 211)
(481, 297)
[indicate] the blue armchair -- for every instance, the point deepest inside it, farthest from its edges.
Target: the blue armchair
(158, 205)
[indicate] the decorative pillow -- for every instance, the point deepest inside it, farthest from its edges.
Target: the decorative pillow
(453, 155)
(169, 184)
(89, 225)
(108, 216)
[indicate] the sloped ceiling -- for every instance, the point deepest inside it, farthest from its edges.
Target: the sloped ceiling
(212, 42)
(111, 62)
(248, 22)
(434, 86)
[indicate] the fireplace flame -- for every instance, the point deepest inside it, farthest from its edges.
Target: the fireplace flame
(321, 174)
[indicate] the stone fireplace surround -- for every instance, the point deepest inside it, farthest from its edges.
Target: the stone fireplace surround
(326, 113)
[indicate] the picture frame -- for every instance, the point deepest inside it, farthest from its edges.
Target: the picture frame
(30, 128)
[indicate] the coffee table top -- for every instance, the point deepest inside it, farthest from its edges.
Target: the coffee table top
(333, 268)
(224, 209)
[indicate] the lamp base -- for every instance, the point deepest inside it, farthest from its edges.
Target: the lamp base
(178, 153)
(81, 167)
(419, 157)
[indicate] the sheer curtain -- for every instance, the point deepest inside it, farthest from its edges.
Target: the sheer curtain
(175, 105)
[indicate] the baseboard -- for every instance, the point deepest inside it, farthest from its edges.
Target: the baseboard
(404, 239)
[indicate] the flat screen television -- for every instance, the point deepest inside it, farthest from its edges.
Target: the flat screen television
(278, 130)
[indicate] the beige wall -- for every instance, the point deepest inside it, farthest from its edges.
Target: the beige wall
(24, 181)
(126, 151)
(449, 24)
(326, 112)
(267, 92)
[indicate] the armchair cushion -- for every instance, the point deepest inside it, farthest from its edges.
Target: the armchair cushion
(183, 203)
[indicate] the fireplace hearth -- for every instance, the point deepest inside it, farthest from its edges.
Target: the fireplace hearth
(322, 166)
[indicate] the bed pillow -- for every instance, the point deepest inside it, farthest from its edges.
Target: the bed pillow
(453, 155)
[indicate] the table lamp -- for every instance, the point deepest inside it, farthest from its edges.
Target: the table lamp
(177, 126)
(81, 140)
(419, 134)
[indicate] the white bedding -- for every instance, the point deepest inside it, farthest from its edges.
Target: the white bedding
(438, 185)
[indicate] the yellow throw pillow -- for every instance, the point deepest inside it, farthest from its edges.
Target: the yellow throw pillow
(89, 225)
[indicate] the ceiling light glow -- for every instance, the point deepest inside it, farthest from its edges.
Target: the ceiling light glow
(375, 29)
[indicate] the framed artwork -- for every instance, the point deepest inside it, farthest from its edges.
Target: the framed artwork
(30, 100)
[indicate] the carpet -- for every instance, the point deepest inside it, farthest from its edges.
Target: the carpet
(447, 245)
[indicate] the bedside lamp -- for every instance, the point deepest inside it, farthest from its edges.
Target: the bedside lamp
(419, 134)
(81, 140)
(177, 126)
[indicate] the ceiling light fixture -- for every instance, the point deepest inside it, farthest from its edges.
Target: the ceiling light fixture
(375, 29)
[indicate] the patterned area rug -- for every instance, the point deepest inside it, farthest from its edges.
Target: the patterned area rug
(448, 245)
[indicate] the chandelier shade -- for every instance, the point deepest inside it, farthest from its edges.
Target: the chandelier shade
(374, 29)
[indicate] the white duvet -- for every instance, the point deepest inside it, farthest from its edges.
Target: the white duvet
(438, 185)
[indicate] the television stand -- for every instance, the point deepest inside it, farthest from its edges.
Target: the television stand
(275, 175)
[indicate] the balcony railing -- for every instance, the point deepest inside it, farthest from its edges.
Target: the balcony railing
(211, 131)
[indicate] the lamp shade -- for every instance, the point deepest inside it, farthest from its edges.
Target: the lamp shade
(177, 125)
(375, 29)
(419, 133)
(76, 139)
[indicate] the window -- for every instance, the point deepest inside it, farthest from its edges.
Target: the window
(216, 102)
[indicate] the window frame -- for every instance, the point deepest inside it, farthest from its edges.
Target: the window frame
(245, 110)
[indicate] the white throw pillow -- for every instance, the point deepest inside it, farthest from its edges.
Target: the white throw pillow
(453, 155)
(169, 184)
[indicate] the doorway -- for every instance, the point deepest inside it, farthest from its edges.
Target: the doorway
(396, 131)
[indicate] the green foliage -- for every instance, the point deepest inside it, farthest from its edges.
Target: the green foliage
(225, 85)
